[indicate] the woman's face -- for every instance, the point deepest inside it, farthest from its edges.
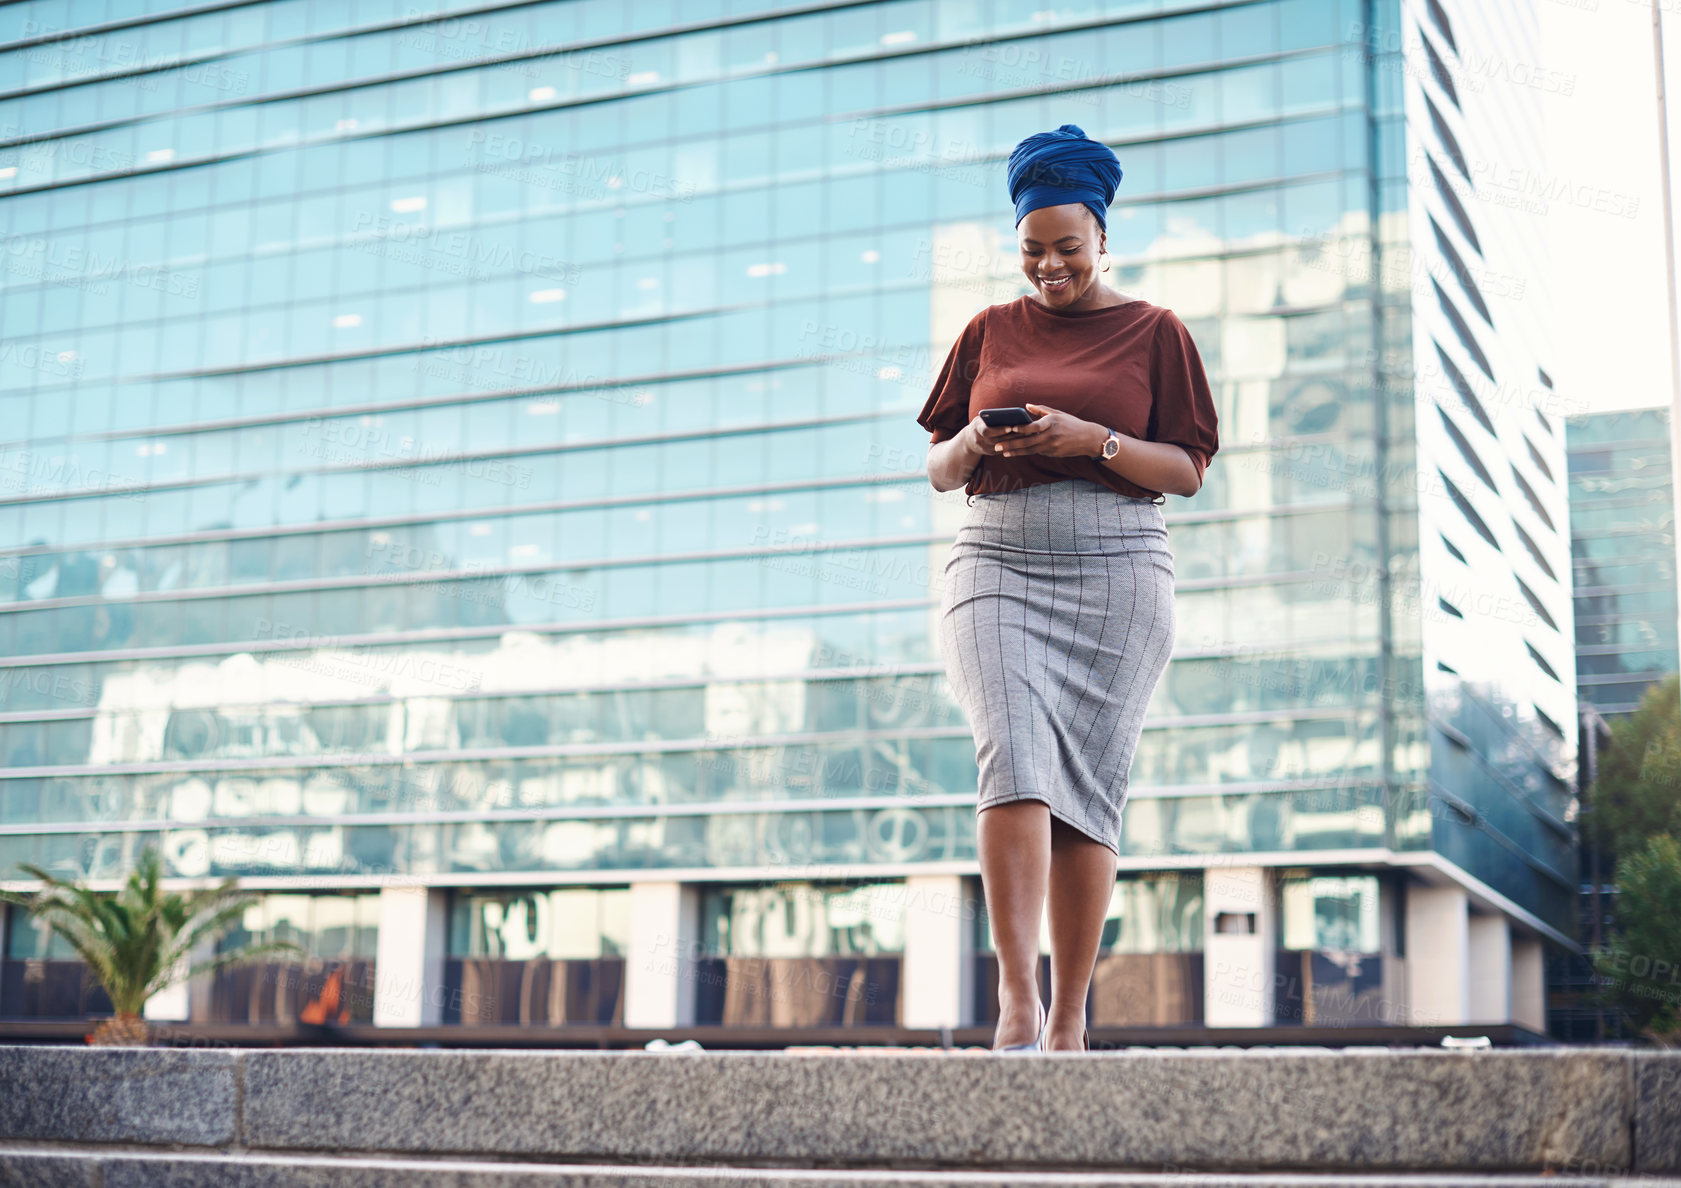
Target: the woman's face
(1061, 243)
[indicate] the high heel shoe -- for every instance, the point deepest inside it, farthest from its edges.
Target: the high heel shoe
(1037, 1044)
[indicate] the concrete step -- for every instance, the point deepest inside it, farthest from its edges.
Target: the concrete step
(50, 1168)
(1312, 1111)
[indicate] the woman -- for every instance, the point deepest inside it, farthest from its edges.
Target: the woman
(1057, 615)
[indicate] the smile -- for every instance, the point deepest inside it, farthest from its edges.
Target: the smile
(1057, 285)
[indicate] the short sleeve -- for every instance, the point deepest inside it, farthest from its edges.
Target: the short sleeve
(947, 408)
(1182, 411)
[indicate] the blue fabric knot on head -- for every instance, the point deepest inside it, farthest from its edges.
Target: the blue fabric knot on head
(1053, 168)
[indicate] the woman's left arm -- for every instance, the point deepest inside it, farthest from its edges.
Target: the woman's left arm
(1158, 465)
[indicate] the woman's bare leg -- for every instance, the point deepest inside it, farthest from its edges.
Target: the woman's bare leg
(1014, 844)
(1082, 880)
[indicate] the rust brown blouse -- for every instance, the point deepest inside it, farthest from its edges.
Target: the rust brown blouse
(1131, 367)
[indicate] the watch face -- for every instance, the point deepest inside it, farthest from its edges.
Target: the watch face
(1111, 447)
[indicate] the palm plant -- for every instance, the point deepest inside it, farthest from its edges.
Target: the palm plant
(134, 940)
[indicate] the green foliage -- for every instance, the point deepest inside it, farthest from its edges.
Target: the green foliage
(1638, 793)
(1642, 964)
(134, 940)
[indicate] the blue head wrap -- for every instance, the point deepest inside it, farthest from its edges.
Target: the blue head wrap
(1054, 168)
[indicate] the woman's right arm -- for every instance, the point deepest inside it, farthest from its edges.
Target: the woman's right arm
(951, 462)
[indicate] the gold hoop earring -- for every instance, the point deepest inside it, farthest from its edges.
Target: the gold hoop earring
(1105, 268)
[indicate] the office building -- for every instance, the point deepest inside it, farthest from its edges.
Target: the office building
(464, 482)
(1622, 548)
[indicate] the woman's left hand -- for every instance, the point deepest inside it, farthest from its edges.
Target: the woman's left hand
(1056, 434)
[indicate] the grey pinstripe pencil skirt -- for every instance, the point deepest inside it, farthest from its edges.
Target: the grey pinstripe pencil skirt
(1056, 623)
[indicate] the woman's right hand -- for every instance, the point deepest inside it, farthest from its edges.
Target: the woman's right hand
(983, 440)
(953, 460)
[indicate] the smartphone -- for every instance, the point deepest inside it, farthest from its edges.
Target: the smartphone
(997, 418)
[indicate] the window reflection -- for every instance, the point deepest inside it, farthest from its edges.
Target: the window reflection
(41, 976)
(1338, 958)
(935, 829)
(798, 954)
(537, 956)
(1330, 913)
(336, 926)
(573, 923)
(334, 982)
(804, 920)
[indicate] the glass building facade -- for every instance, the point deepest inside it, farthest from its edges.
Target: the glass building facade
(334, 548)
(1622, 530)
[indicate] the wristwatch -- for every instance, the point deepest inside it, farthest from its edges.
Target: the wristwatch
(1111, 446)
